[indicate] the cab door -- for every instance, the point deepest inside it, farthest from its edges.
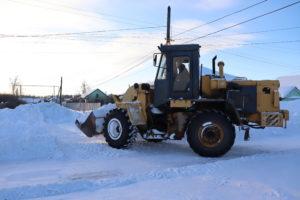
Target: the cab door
(161, 84)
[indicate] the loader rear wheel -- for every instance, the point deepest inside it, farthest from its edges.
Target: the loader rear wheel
(118, 131)
(210, 134)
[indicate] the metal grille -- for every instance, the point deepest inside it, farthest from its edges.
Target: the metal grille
(274, 119)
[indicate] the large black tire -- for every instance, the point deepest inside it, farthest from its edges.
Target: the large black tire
(210, 134)
(117, 129)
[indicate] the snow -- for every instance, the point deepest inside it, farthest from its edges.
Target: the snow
(155, 110)
(44, 156)
(44, 131)
(102, 111)
(287, 83)
(285, 90)
(293, 80)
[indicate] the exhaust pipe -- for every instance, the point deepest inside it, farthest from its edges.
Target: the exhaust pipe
(214, 65)
(221, 69)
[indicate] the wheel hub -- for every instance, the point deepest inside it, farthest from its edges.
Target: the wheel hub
(211, 135)
(114, 128)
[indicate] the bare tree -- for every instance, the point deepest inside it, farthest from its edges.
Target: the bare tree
(84, 87)
(15, 86)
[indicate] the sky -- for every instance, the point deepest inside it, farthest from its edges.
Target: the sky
(95, 58)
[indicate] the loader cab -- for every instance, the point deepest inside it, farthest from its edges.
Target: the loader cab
(177, 74)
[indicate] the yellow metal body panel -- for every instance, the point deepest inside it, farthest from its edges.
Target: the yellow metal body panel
(217, 84)
(212, 86)
(135, 112)
(266, 102)
(135, 101)
(206, 86)
(268, 105)
(130, 95)
(180, 103)
(268, 113)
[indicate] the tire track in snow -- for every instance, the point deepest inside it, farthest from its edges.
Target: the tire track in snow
(115, 180)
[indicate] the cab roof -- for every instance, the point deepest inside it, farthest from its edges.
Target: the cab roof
(179, 47)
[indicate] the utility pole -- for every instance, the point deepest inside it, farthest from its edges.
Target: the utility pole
(168, 38)
(60, 91)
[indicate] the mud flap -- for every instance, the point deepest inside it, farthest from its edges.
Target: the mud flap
(89, 126)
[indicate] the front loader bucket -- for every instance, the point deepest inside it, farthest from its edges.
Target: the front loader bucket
(89, 126)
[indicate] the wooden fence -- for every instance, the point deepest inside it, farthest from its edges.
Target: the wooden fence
(82, 106)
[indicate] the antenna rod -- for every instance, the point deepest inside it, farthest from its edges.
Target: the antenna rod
(168, 38)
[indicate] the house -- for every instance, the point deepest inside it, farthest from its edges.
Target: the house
(96, 96)
(289, 93)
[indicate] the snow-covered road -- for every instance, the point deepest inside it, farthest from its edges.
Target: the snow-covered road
(44, 156)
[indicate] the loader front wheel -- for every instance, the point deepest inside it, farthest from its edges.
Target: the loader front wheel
(118, 131)
(210, 134)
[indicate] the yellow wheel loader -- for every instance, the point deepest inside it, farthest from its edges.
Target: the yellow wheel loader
(204, 108)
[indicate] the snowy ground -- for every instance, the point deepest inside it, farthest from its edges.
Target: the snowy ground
(44, 156)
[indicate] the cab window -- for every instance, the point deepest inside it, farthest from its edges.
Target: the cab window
(181, 73)
(162, 69)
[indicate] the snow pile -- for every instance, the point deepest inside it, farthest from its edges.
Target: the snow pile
(102, 111)
(28, 131)
(293, 80)
(44, 131)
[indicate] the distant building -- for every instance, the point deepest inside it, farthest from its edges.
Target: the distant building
(96, 96)
(289, 93)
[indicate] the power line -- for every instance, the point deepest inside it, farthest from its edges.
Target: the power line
(255, 43)
(81, 13)
(98, 13)
(251, 32)
(265, 31)
(220, 18)
(120, 74)
(139, 62)
(243, 22)
(219, 35)
(281, 49)
(146, 58)
(77, 33)
(256, 59)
